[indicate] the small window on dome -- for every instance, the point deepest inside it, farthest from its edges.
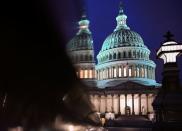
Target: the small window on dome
(123, 22)
(107, 57)
(110, 57)
(114, 55)
(134, 54)
(81, 73)
(145, 72)
(129, 72)
(90, 74)
(120, 72)
(81, 57)
(142, 72)
(110, 72)
(115, 73)
(86, 58)
(141, 55)
(124, 54)
(138, 72)
(129, 54)
(138, 54)
(125, 71)
(86, 74)
(135, 72)
(119, 55)
(90, 57)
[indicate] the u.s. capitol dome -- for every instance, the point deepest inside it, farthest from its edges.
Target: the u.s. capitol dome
(124, 57)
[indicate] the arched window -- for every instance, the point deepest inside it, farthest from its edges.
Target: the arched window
(114, 55)
(138, 72)
(81, 73)
(115, 73)
(134, 54)
(81, 57)
(110, 57)
(141, 55)
(129, 54)
(144, 55)
(100, 72)
(97, 75)
(119, 55)
(90, 74)
(90, 58)
(86, 57)
(104, 74)
(110, 72)
(125, 71)
(142, 72)
(138, 54)
(145, 72)
(124, 54)
(107, 57)
(129, 71)
(120, 72)
(86, 74)
(135, 72)
(100, 76)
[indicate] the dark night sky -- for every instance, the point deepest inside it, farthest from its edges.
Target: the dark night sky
(150, 18)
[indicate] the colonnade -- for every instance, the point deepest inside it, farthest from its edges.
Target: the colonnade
(86, 73)
(140, 71)
(124, 104)
(131, 53)
(80, 58)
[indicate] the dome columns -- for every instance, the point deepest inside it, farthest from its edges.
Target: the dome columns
(86, 73)
(125, 53)
(126, 71)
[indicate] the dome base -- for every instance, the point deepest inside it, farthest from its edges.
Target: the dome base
(115, 82)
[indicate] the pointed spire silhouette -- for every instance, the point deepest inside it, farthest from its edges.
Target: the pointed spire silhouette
(84, 16)
(169, 36)
(121, 6)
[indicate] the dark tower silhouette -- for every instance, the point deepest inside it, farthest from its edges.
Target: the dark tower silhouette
(168, 104)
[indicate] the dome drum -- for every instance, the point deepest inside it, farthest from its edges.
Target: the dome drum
(81, 42)
(85, 56)
(123, 53)
(126, 70)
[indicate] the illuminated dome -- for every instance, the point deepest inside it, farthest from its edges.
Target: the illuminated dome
(82, 41)
(124, 57)
(121, 38)
(81, 52)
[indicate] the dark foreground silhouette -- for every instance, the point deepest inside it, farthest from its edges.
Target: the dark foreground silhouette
(35, 73)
